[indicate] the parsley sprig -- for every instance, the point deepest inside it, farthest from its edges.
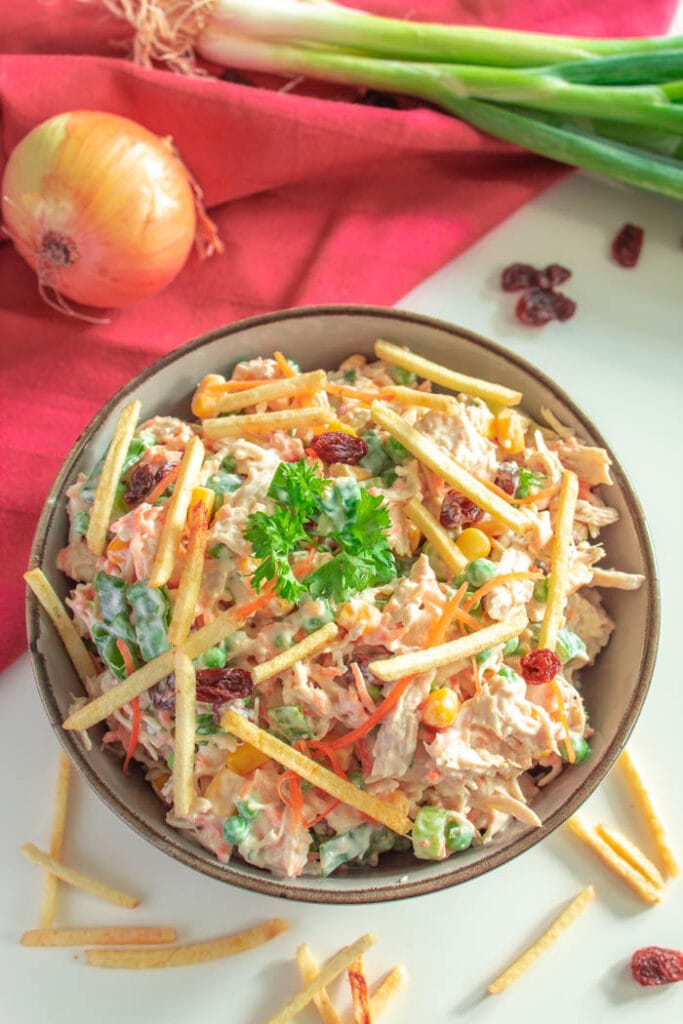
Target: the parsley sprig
(338, 516)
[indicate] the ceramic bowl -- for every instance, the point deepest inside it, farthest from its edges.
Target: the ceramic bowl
(614, 688)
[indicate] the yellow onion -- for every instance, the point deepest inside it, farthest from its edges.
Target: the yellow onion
(102, 209)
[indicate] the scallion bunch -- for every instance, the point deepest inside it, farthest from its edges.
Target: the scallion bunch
(611, 106)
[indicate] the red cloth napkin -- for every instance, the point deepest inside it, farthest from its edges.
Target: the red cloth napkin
(316, 200)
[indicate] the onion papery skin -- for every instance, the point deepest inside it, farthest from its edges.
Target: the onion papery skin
(100, 207)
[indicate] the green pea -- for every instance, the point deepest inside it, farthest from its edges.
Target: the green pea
(581, 748)
(375, 692)
(541, 590)
(248, 809)
(483, 656)
(510, 647)
(219, 551)
(358, 779)
(235, 829)
(215, 657)
(459, 835)
(480, 571)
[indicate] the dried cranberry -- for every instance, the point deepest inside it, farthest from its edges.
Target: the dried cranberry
(626, 245)
(517, 277)
(457, 511)
(336, 446)
(552, 275)
(140, 483)
(538, 306)
(540, 666)
(163, 693)
(654, 965)
(218, 685)
(564, 306)
(507, 477)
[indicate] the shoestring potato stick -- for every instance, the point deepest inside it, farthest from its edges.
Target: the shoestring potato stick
(559, 925)
(105, 492)
(444, 465)
(475, 386)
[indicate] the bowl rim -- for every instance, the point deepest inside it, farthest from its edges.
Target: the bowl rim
(366, 891)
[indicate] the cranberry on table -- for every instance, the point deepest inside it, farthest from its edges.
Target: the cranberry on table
(538, 306)
(518, 276)
(655, 965)
(626, 245)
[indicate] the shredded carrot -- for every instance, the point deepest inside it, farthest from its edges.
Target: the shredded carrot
(345, 392)
(440, 626)
(295, 800)
(381, 711)
(285, 368)
(165, 482)
(497, 581)
(538, 496)
(571, 753)
(129, 666)
(124, 651)
(364, 756)
(244, 611)
(323, 814)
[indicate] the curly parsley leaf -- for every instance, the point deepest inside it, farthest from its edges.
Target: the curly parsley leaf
(353, 523)
(274, 537)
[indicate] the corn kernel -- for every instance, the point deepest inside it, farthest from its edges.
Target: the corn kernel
(474, 543)
(245, 759)
(440, 708)
(510, 431)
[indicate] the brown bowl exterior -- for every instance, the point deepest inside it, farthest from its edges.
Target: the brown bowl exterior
(614, 688)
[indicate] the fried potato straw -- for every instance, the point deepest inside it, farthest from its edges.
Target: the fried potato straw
(559, 925)
(182, 956)
(105, 493)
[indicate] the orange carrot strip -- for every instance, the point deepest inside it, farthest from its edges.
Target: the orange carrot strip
(129, 665)
(295, 800)
(377, 715)
(285, 368)
(345, 392)
(496, 581)
(440, 626)
(124, 651)
(165, 482)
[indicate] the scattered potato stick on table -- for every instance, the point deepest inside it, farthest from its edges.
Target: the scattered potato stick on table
(310, 645)
(308, 969)
(643, 798)
(444, 465)
(385, 992)
(105, 492)
(48, 905)
(559, 925)
(158, 668)
(262, 422)
(434, 532)
(558, 585)
(176, 513)
(185, 725)
(359, 992)
(334, 967)
(631, 853)
(380, 810)
(76, 878)
(181, 956)
(646, 890)
(455, 650)
(57, 613)
(46, 937)
(407, 360)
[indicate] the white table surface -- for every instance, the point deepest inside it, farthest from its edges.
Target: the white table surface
(621, 358)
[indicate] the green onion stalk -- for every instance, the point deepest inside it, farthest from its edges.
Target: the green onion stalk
(610, 106)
